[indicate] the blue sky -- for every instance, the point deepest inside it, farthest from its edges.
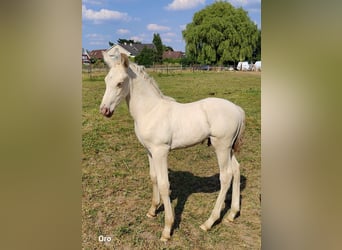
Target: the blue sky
(109, 20)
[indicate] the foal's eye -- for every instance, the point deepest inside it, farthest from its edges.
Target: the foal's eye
(119, 85)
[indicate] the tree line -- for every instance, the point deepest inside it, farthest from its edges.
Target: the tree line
(219, 34)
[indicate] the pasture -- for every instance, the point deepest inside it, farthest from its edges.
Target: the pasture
(115, 173)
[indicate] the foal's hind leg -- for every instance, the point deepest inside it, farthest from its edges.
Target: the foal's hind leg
(235, 205)
(226, 173)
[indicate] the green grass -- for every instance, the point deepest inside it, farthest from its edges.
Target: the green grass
(115, 173)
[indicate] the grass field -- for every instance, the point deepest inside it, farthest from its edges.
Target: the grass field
(115, 172)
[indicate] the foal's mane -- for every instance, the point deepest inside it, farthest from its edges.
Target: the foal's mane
(140, 70)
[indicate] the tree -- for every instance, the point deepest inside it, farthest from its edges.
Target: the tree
(257, 52)
(167, 48)
(111, 44)
(123, 41)
(159, 46)
(220, 34)
(146, 57)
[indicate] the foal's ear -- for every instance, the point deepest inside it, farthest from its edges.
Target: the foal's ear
(115, 58)
(108, 60)
(124, 60)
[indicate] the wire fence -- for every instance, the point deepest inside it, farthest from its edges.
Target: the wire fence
(94, 71)
(180, 68)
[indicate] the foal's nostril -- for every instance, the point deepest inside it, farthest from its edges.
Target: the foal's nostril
(104, 111)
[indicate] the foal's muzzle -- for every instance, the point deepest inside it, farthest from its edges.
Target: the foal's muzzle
(106, 112)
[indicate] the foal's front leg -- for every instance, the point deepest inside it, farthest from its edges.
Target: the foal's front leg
(155, 193)
(159, 160)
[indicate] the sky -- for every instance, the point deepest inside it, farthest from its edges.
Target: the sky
(109, 20)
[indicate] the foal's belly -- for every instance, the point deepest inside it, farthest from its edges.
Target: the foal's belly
(189, 125)
(185, 142)
(188, 134)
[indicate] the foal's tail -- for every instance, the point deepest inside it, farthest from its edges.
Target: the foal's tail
(239, 136)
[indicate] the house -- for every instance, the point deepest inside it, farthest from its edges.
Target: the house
(131, 49)
(173, 54)
(97, 54)
(85, 56)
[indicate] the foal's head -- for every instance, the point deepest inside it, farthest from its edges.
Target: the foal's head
(117, 82)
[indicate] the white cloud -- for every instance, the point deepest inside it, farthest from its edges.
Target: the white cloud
(122, 31)
(94, 36)
(93, 2)
(156, 27)
(238, 2)
(169, 34)
(244, 2)
(168, 37)
(137, 38)
(254, 10)
(97, 39)
(103, 15)
(90, 35)
(102, 43)
(140, 38)
(184, 4)
(182, 27)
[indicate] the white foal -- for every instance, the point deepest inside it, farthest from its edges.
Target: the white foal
(162, 124)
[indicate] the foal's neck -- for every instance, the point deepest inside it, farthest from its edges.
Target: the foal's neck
(144, 96)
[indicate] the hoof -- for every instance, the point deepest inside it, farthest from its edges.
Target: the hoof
(207, 225)
(204, 228)
(231, 216)
(165, 237)
(229, 219)
(151, 215)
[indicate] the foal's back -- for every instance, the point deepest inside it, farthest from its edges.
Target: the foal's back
(191, 123)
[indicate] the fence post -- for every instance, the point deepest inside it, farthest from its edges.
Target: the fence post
(89, 70)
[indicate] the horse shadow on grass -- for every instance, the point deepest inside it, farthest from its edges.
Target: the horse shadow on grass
(184, 183)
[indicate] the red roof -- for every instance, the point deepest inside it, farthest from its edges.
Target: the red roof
(173, 54)
(96, 53)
